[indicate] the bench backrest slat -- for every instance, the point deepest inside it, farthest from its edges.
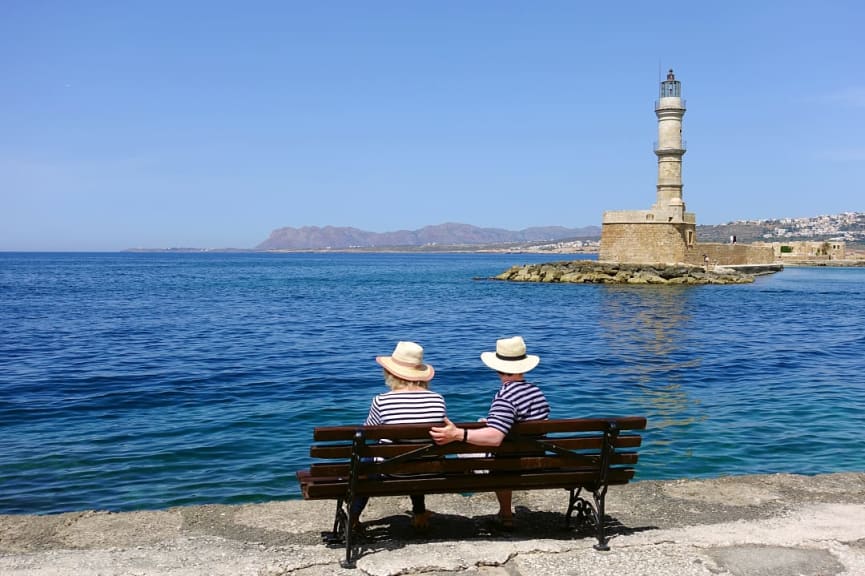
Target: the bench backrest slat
(421, 431)
(388, 450)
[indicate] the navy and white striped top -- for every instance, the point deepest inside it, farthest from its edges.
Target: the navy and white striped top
(416, 407)
(517, 401)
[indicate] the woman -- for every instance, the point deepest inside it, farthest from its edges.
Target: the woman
(409, 401)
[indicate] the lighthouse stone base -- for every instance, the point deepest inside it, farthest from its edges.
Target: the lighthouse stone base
(645, 236)
(665, 236)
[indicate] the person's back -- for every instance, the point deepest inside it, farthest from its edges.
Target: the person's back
(414, 405)
(409, 401)
(515, 401)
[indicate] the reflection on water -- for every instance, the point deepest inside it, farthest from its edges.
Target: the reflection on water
(646, 334)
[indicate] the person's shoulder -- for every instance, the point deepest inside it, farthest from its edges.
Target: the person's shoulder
(518, 385)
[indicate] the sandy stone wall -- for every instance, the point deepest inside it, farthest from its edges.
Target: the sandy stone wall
(730, 254)
(808, 249)
(645, 242)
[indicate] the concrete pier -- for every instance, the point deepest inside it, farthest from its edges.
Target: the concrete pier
(779, 525)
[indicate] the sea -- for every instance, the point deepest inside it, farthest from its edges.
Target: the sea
(134, 381)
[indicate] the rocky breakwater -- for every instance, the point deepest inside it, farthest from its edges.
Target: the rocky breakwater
(593, 272)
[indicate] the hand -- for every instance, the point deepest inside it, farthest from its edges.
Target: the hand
(445, 434)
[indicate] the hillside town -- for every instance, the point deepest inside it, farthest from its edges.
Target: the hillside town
(845, 227)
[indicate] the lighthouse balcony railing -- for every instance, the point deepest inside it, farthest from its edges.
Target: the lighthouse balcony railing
(658, 148)
(682, 106)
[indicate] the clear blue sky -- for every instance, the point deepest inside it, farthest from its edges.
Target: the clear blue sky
(209, 124)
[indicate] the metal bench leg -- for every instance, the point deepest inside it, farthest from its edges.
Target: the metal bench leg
(585, 513)
(343, 532)
(351, 516)
(340, 521)
(599, 519)
(574, 505)
(600, 489)
(589, 514)
(349, 537)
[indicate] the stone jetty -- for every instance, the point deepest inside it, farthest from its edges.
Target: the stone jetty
(594, 272)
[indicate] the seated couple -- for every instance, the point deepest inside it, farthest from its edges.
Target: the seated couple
(410, 401)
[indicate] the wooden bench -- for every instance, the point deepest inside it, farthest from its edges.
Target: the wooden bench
(574, 454)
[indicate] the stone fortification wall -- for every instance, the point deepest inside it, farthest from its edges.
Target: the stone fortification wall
(730, 254)
(808, 250)
(645, 242)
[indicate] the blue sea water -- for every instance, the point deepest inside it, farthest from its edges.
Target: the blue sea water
(134, 381)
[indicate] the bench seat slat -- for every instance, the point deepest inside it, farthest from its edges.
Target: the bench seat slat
(465, 483)
(469, 465)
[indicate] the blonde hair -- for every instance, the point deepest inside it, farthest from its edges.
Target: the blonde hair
(397, 383)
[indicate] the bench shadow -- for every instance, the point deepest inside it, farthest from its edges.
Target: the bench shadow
(394, 532)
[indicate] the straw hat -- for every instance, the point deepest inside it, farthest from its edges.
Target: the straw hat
(406, 362)
(510, 357)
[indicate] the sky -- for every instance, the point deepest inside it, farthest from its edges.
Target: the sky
(208, 124)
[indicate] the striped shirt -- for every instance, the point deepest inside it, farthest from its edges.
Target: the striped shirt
(517, 401)
(422, 406)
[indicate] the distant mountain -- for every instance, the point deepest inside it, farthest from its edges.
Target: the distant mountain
(450, 234)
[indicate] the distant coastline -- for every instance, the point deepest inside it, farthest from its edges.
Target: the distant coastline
(856, 258)
(561, 247)
(848, 227)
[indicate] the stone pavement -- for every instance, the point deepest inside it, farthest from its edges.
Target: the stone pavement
(778, 525)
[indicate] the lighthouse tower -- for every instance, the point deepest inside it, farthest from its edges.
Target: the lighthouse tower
(670, 108)
(665, 233)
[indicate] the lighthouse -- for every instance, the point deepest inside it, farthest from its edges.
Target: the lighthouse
(669, 148)
(665, 233)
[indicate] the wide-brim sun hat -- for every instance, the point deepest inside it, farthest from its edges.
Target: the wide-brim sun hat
(510, 357)
(406, 362)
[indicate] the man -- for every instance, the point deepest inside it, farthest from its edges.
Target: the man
(516, 401)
